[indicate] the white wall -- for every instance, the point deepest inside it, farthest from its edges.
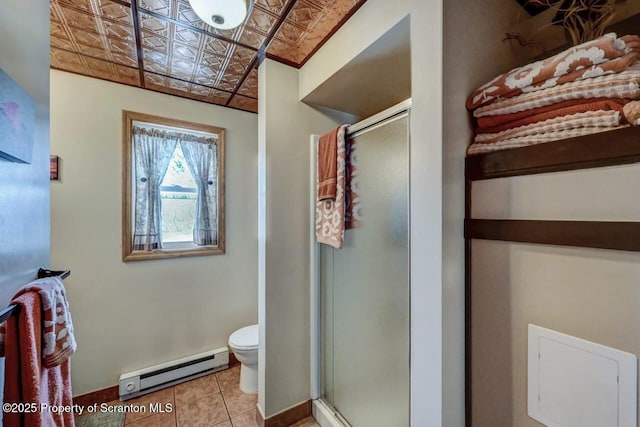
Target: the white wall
(371, 21)
(24, 188)
(133, 315)
(284, 130)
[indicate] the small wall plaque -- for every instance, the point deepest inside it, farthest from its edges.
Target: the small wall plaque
(53, 168)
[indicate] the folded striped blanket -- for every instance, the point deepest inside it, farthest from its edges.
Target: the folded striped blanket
(573, 121)
(524, 141)
(622, 85)
(495, 124)
(608, 54)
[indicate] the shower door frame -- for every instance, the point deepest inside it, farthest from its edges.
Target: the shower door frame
(321, 410)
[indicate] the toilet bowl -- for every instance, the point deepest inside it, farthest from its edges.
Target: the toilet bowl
(244, 344)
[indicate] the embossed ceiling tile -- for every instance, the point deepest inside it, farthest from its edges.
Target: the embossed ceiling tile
(79, 19)
(321, 3)
(216, 46)
(187, 15)
(94, 52)
(181, 68)
(261, 20)
(87, 38)
(125, 60)
(219, 97)
(116, 12)
(228, 86)
(289, 33)
(128, 75)
(328, 22)
(252, 38)
(53, 12)
(156, 68)
(244, 103)
(185, 52)
(58, 30)
(155, 61)
(274, 6)
(67, 60)
(282, 49)
(159, 44)
(212, 61)
(178, 85)
(61, 43)
(242, 55)
(200, 90)
(232, 75)
(250, 85)
(206, 75)
(304, 14)
(187, 36)
(66, 66)
(151, 24)
(154, 80)
(101, 69)
(121, 47)
(162, 7)
(119, 31)
(78, 4)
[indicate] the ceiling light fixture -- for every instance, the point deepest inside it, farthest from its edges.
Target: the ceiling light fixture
(222, 14)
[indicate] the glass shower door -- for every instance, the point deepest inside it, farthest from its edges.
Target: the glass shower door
(364, 289)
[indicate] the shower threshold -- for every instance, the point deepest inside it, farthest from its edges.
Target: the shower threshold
(327, 416)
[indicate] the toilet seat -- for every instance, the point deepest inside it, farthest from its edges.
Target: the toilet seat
(245, 338)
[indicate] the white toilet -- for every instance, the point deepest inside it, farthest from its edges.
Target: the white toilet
(244, 344)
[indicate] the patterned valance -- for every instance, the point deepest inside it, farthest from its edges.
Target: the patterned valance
(173, 135)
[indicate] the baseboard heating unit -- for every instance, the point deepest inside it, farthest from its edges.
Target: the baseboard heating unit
(143, 381)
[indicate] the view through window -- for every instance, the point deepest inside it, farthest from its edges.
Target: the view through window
(178, 193)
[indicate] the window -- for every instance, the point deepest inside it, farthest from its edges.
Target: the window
(173, 188)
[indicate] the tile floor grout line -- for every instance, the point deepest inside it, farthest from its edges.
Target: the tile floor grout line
(175, 407)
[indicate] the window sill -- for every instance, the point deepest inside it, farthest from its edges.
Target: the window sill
(172, 253)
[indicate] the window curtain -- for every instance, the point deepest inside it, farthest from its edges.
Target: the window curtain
(153, 150)
(202, 158)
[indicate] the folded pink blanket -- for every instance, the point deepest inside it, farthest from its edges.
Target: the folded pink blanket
(605, 55)
(27, 380)
(622, 85)
(58, 341)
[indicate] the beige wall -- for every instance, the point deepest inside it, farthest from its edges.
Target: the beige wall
(285, 127)
(473, 54)
(24, 188)
(587, 293)
(604, 194)
(137, 314)
(591, 294)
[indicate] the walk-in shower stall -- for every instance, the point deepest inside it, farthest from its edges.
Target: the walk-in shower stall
(360, 293)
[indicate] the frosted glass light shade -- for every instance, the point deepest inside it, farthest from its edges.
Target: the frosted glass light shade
(222, 14)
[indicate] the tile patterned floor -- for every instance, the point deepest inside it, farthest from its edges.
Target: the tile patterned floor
(212, 401)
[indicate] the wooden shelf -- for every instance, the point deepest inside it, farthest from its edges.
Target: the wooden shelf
(623, 236)
(617, 147)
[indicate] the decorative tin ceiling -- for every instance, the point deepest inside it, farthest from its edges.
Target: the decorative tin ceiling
(162, 45)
